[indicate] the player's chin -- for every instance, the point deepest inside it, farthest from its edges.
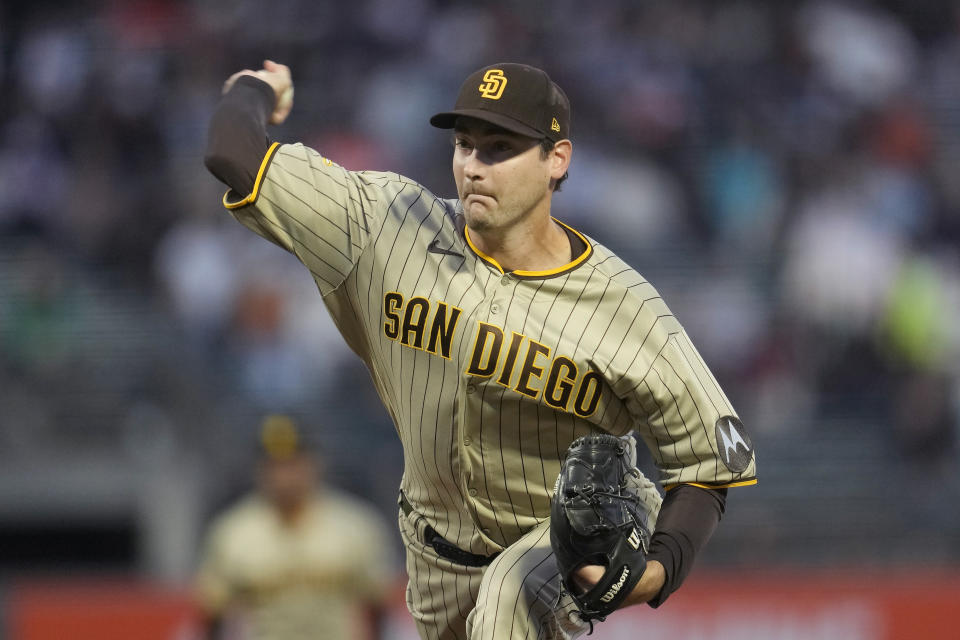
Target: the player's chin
(479, 217)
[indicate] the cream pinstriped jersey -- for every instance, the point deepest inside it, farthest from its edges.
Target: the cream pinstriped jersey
(310, 580)
(489, 376)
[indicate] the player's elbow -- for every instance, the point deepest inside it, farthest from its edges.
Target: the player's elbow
(229, 171)
(217, 163)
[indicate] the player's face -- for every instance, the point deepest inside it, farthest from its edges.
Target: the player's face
(501, 176)
(288, 482)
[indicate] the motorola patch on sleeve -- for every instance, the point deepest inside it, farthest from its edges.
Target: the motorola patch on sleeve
(736, 449)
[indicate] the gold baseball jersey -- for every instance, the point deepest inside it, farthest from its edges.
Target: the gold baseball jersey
(490, 375)
(305, 581)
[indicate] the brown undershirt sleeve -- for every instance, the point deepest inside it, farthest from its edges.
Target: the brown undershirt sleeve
(237, 138)
(688, 517)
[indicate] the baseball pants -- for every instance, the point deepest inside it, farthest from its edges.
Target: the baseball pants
(517, 596)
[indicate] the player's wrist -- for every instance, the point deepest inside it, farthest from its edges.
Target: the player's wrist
(650, 584)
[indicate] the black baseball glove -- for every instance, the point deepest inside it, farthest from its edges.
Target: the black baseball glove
(596, 517)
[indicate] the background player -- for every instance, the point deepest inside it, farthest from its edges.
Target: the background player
(294, 560)
(495, 336)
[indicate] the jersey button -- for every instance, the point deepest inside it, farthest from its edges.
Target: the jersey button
(472, 492)
(471, 388)
(467, 441)
(505, 280)
(494, 308)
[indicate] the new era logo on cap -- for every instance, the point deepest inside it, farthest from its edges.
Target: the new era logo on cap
(517, 97)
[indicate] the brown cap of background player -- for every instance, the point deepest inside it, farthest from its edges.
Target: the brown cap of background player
(517, 97)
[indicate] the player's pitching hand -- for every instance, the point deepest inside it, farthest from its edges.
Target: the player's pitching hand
(278, 77)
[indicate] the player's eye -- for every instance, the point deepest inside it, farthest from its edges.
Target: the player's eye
(462, 143)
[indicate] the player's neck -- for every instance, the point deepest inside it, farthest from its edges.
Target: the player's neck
(292, 513)
(535, 244)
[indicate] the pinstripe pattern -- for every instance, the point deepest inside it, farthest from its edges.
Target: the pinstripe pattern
(488, 376)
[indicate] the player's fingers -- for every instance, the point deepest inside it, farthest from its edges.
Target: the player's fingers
(279, 117)
(587, 576)
(283, 107)
(276, 67)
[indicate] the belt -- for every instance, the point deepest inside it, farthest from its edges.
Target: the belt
(442, 547)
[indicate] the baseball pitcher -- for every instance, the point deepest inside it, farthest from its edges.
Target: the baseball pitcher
(497, 338)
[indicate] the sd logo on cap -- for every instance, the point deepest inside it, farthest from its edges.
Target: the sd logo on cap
(494, 82)
(534, 105)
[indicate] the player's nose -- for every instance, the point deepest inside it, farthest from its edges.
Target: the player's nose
(473, 167)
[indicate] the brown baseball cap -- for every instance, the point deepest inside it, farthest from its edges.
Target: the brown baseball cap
(517, 97)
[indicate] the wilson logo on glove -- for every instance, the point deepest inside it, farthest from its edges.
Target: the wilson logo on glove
(608, 596)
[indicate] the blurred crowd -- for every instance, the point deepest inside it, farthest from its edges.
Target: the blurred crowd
(783, 172)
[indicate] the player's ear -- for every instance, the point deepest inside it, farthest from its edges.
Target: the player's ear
(560, 159)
